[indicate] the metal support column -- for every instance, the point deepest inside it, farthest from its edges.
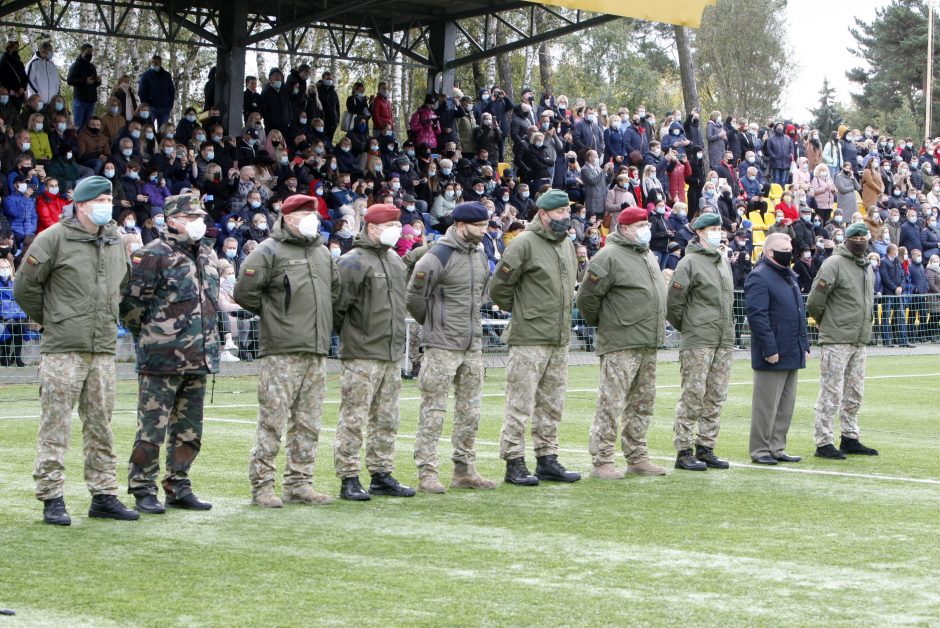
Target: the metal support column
(230, 64)
(443, 50)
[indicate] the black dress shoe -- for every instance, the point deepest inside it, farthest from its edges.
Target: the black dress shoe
(149, 504)
(829, 451)
(110, 507)
(352, 490)
(707, 455)
(54, 513)
(854, 446)
(188, 502)
(768, 460)
(385, 484)
(784, 457)
(687, 462)
(548, 469)
(517, 473)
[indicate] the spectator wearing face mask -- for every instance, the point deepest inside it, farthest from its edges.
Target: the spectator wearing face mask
(49, 205)
(130, 233)
(12, 318)
(588, 136)
(19, 208)
(932, 274)
(133, 190)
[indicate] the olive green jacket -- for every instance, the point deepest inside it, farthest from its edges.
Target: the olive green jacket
(370, 311)
(624, 296)
(700, 299)
(534, 281)
(70, 282)
(842, 299)
(290, 282)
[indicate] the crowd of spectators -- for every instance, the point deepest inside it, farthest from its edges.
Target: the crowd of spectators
(299, 136)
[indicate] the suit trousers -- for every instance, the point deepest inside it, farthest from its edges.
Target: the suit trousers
(772, 405)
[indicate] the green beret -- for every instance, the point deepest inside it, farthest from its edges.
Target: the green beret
(856, 229)
(90, 188)
(182, 204)
(553, 199)
(707, 220)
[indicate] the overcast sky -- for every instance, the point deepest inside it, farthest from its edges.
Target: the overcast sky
(818, 32)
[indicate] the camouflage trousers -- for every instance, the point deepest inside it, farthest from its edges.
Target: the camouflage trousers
(627, 391)
(414, 346)
(64, 379)
(441, 369)
(369, 399)
(706, 372)
(291, 389)
(841, 388)
(536, 382)
(169, 408)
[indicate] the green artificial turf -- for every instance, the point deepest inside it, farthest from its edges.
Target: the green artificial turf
(817, 543)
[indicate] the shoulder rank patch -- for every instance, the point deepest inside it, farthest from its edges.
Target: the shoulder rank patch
(136, 257)
(419, 279)
(250, 272)
(676, 285)
(505, 269)
(594, 278)
(822, 283)
(32, 260)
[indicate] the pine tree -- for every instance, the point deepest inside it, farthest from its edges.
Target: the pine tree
(827, 116)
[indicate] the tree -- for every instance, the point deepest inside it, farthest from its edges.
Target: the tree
(741, 55)
(828, 116)
(894, 46)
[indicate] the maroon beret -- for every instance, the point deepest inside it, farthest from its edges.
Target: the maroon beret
(631, 215)
(298, 203)
(381, 212)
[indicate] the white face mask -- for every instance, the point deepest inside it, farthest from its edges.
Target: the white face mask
(309, 227)
(643, 235)
(390, 236)
(196, 230)
(713, 238)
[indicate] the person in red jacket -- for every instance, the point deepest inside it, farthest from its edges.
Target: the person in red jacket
(49, 205)
(677, 177)
(787, 207)
(381, 108)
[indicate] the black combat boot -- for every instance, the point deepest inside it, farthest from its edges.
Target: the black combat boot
(53, 512)
(829, 451)
(352, 490)
(110, 507)
(548, 468)
(518, 474)
(855, 446)
(385, 484)
(189, 501)
(687, 462)
(707, 455)
(149, 504)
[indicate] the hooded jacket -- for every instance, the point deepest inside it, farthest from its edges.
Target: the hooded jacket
(842, 299)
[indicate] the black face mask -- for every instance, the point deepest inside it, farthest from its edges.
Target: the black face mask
(783, 258)
(87, 56)
(4, 251)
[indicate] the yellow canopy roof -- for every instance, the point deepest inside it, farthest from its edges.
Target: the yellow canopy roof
(682, 12)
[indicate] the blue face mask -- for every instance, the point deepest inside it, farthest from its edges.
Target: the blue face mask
(100, 213)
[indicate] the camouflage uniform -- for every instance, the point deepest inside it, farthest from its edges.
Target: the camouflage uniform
(70, 282)
(370, 390)
(706, 372)
(627, 392)
(536, 381)
(171, 307)
(415, 356)
(841, 388)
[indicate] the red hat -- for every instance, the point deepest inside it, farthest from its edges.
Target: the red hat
(631, 215)
(298, 203)
(381, 212)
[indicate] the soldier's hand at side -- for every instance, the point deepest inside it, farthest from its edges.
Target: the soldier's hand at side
(772, 359)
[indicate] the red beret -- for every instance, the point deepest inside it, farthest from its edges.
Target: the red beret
(298, 203)
(631, 215)
(379, 213)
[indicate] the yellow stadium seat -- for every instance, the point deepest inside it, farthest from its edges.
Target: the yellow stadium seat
(775, 190)
(757, 220)
(755, 255)
(770, 218)
(758, 237)
(501, 166)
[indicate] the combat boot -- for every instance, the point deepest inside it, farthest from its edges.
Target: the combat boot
(855, 446)
(430, 483)
(352, 490)
(110, 507)
(518, 474)
(829, 451)
(687, 462)
(188, 502)
(607, 471)
(645, 467)
(466, 476)
(149, 504)
(707, 455)
(266, 498)
(304, 495)
(385, 484)
(54, 513)
(548, 469)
